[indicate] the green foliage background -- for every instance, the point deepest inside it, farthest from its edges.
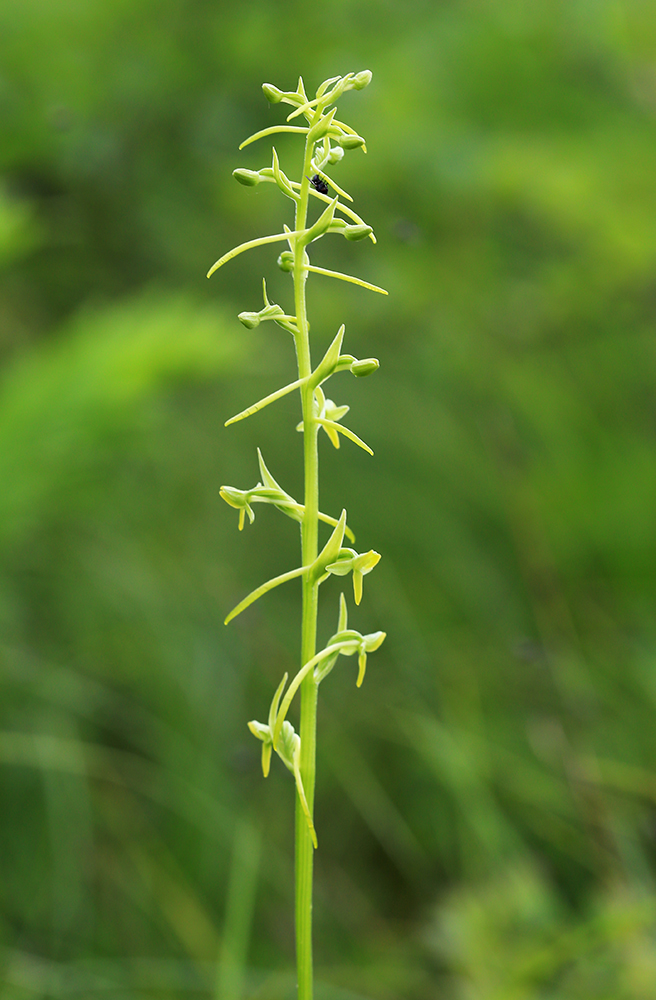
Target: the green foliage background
(486, 803)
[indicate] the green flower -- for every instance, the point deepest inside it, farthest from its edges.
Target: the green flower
(350, 561)
(288, 748)
(240, 500)
(350, 642)
(328, 415)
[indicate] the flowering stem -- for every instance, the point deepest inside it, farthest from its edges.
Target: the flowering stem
(298, 751)
(309, 687)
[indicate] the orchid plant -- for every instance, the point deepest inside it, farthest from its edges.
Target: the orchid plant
(326, 140)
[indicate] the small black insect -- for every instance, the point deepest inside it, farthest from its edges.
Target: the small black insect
(319, 184)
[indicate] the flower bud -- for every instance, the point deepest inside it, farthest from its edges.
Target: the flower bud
(362, 79)
(249, 178)
(365, 367)
(350, 141)
(354, 233)
(286, 261)
(272, 94)
(249, 319)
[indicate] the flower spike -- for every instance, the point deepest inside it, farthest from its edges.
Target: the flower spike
(327, 141)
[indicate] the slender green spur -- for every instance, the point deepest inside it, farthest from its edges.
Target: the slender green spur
(326, 139)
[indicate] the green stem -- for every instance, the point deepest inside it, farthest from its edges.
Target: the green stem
(309, 687)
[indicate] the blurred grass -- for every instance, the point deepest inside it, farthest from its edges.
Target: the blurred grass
(486, 803)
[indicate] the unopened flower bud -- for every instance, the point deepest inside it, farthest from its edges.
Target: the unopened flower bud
(354, 233)
(286, 260)
(365, 367)
(272, 94)
(249, 319)
(249, 178)
(350, 141)
(362, 79)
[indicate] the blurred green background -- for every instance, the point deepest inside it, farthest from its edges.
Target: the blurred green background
(486, 803)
